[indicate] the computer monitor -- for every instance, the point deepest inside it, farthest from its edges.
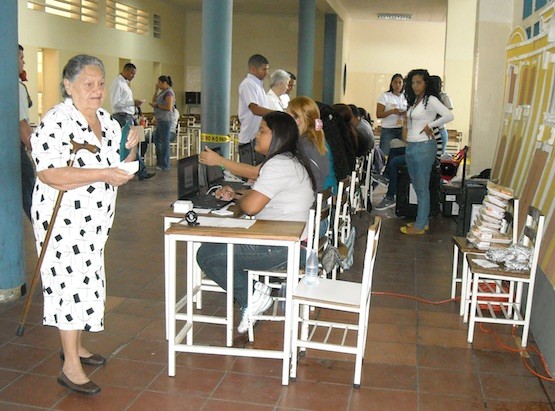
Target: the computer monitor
(246, 154)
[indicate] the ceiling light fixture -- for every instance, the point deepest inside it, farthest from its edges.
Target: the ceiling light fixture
(394, 16)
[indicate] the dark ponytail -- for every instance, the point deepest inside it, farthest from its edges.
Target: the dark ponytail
(166, 79)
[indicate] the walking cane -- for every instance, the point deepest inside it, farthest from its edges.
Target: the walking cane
(21, 327)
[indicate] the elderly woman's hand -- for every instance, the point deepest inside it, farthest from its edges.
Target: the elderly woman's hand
(116, 177)
(132, 138)
(210, 158)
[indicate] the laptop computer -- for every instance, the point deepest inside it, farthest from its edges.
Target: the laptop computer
(188, 187)
(215, 177)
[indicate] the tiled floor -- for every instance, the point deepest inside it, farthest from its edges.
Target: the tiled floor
(416, 358)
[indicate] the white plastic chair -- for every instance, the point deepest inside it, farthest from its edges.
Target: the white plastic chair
(497, 292)
(321, 212)
(462, 246)
(336, 295)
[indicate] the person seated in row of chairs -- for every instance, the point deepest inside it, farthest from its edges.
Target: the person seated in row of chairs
(284, 191)
(312, 142)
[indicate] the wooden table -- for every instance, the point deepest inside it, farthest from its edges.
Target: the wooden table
(263, 232)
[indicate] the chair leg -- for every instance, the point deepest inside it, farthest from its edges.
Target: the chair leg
(294, 340)
(473, 304)
(467, 285)
(454, 279)
(249, 304)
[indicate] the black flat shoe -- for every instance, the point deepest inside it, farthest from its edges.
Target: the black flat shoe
(95, 359)
(88, 388)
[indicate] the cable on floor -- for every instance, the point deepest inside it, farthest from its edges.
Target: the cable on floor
(527, 349)
(486, 331)
(411, 297)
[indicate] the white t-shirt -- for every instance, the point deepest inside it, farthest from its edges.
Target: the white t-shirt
(419, 116)
(391, 101)
(121, 96)
(273, 102)
(251, 90)
(286, 183)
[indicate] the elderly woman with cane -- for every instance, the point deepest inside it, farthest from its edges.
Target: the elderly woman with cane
(72, 271)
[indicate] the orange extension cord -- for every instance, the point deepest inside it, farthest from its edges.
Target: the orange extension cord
(487, 331)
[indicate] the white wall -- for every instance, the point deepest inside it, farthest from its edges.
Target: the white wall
(275, 37)
(70, 37)
(494, 25)
(375, 50)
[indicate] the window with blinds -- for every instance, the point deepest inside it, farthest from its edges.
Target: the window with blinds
(127, 18)
(83, 10)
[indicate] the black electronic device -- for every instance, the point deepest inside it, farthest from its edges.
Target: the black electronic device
(188, 186)
(246, 154)
(191, 217)
(406, 204)
(471, 198)
(192, 97)
(215, 176)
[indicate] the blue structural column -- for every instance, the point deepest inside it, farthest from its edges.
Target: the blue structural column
(330, 46)
(12, 262)
(217, 18)
(305, 58)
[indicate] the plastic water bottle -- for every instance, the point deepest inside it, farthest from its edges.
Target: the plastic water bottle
(311, 268)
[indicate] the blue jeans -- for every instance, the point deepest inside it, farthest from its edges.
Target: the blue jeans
(393, 164)
(212, 259)
(444, 138)
(388, 134)
(162, 141)
(420, 158)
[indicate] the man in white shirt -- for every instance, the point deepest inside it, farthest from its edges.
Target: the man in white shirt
(279, 81)
(286, 97)
(123, 107)
(27, 170)
(252, 98)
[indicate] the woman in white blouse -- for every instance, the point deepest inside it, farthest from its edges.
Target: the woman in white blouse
(279, 81)
(390, 109)
(425, 112)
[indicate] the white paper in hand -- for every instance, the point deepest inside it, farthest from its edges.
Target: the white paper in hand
(131, 167)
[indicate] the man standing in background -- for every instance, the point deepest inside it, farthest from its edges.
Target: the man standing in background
(123, 107)
(27, 170)
(252, 98)
(286, 98)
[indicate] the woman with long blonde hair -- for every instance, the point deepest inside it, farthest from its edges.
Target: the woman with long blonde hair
(312, 141)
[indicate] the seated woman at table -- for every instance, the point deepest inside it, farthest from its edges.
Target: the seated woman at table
(283, 191)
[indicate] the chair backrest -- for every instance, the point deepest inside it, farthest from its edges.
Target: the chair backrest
(323, 214)
(532, 231)
(370, 258)
(341, 209)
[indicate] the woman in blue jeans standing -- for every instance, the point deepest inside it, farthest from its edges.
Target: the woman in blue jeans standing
(391, 109)
(163, 102)
(425, 112)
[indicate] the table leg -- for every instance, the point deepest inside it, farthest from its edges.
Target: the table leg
(229, 294)
(293, 258)
(170, 305)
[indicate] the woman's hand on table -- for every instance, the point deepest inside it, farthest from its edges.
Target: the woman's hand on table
(225, 193)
